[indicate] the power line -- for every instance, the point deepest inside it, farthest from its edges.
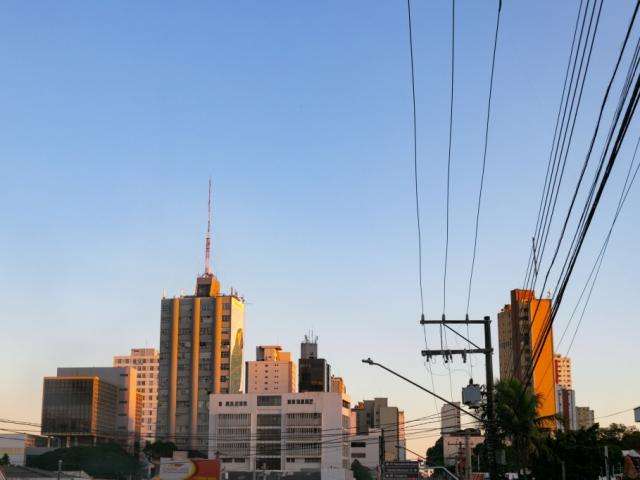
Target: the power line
(446, 247)
(600, 180)
(415, 181)
(484, 162)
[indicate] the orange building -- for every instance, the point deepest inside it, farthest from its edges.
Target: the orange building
(520, 329)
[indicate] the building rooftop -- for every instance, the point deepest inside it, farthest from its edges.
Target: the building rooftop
(13, 471)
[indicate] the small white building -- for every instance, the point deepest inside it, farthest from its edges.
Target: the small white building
(17, 446)
(366, 448)
(289, 432)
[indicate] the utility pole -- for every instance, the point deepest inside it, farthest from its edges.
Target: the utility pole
(468, 467)
(487, 351)
(606, 462)
(59, 468)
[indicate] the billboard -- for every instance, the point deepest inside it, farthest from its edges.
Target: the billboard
(189, 469)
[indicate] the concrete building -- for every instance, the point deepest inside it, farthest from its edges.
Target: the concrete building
(314, 372)
(289, 432)
(562, 371)
(584, 417)
(449, 418)
(273, 371)
(19, 446)
(520, 328)
(377, 413)
(129, 410)
(201, 352)
(367, 448)
(566, 408)
(145, 361)
(337, 385)
(79, 410)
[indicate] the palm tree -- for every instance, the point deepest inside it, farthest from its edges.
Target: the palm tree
(517, 420)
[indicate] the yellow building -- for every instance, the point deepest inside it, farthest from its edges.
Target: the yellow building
(521, 326)
(201, 345)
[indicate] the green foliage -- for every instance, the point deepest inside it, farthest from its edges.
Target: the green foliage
(102, 461)
(579, 450)
(517, 420)
(435, 454)
(159, 449)
(360, 472)
(5, 460)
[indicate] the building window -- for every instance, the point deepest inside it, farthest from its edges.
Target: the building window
(269, 400)
(358, 444)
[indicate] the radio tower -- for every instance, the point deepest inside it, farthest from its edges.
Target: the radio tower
(207, 238)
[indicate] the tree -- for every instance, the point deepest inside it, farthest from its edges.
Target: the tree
(435, 454)
(578, 450)
(5, 460)
(102, 461)
(159, 449)
(360, 472)
(517, 420)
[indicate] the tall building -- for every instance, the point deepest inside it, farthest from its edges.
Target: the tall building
(145, 361)
(562, 371)
(377, 413)
(584, 417)
(273, 371)
(79, 410)
(566, 408)
(201, 344)
(520, 328)
(314, 372)
(289, 433)
(129, 408)
(449, 418)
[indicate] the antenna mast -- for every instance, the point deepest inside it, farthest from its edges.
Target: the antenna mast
(207, 237)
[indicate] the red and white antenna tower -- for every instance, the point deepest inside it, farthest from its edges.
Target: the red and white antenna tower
(207, 238)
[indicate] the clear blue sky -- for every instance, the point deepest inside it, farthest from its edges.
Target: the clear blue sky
(114, 114)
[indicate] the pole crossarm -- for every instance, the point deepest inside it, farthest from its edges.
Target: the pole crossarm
(457, 407)
(443, 322)
(428, 353)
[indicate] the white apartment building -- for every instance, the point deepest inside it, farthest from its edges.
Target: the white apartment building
(566, 408)
(289, 432)
(366, 448)
(145, 361)
(272, 371)
(450, 418)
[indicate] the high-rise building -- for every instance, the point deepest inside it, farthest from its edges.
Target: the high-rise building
(377, 413)
(562, 371)
(289, 432)
(584, 417)
(521, 326)
(273, 371)
(314, 373)
(79, 410)
(566, 408)
(145, 361)
(129, 408)
(449, 418)
(201, 344)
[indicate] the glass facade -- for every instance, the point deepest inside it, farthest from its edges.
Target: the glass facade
(79, 406)
(313, 375)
